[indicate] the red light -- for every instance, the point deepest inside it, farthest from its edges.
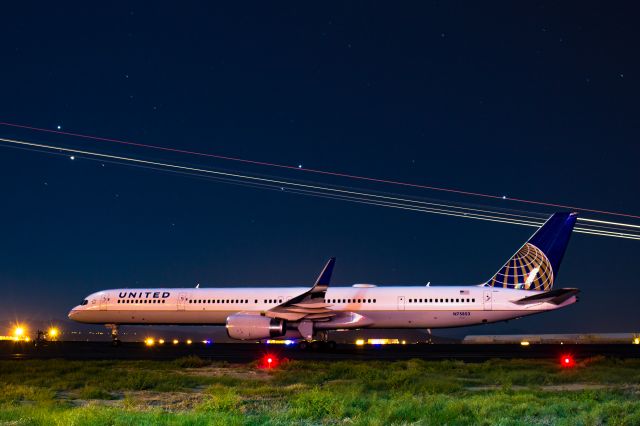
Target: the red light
(269, 361)
(567, 361)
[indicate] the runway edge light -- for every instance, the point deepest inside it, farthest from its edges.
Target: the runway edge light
(567, 361)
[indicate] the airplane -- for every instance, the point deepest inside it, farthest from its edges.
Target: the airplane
(522, 286)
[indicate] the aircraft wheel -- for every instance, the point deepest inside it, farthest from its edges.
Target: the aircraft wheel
(303, 345)
(331, 345)
(316, 345)
(115, 343)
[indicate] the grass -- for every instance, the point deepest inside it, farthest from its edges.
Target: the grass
(192, 391)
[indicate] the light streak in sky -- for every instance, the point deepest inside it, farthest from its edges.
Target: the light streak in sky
(316, 171)
(591, 226)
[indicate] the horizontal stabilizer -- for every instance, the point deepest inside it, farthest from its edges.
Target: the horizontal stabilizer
(556, 296)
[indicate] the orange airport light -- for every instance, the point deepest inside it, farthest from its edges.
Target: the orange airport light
(175, 341)
(149, 341)
(53, 333)
(18, 331)
(189, 341)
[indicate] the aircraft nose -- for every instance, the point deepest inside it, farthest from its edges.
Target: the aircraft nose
(72, 313)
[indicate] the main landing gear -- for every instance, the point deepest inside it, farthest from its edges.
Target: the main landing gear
(114, 334)
(317, 345)
(321, 343)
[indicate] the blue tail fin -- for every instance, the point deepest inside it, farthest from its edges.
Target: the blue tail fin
(535, 266)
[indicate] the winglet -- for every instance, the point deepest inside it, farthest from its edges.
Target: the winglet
(291, 309)
(325, 276)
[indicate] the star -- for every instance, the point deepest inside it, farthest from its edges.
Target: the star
(299, 166)
(72, 157)
(59, 127)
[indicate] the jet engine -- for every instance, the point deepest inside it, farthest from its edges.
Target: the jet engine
(251, 326)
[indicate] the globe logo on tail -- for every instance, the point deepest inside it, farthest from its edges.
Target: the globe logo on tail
(528, 269)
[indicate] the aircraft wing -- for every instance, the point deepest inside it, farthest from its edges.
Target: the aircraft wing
(309, 305)
(556, 296)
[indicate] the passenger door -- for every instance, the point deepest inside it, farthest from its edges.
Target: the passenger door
(182, 301)
(103, 303)
(401, 303)
(487, 300)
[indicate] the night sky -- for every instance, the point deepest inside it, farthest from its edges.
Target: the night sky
(536, 100)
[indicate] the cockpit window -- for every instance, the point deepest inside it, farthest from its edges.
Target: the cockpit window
(84, 302)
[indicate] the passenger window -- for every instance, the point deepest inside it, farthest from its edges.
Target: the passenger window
(457, 300)
(473, 300)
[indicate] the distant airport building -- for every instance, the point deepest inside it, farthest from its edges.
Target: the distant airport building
(589, 338)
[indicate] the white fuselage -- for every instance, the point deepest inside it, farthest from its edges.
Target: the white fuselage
(356, 307)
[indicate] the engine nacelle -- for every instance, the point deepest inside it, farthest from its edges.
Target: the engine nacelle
(252, 326)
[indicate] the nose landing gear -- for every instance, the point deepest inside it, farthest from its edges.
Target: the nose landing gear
(114, 334)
